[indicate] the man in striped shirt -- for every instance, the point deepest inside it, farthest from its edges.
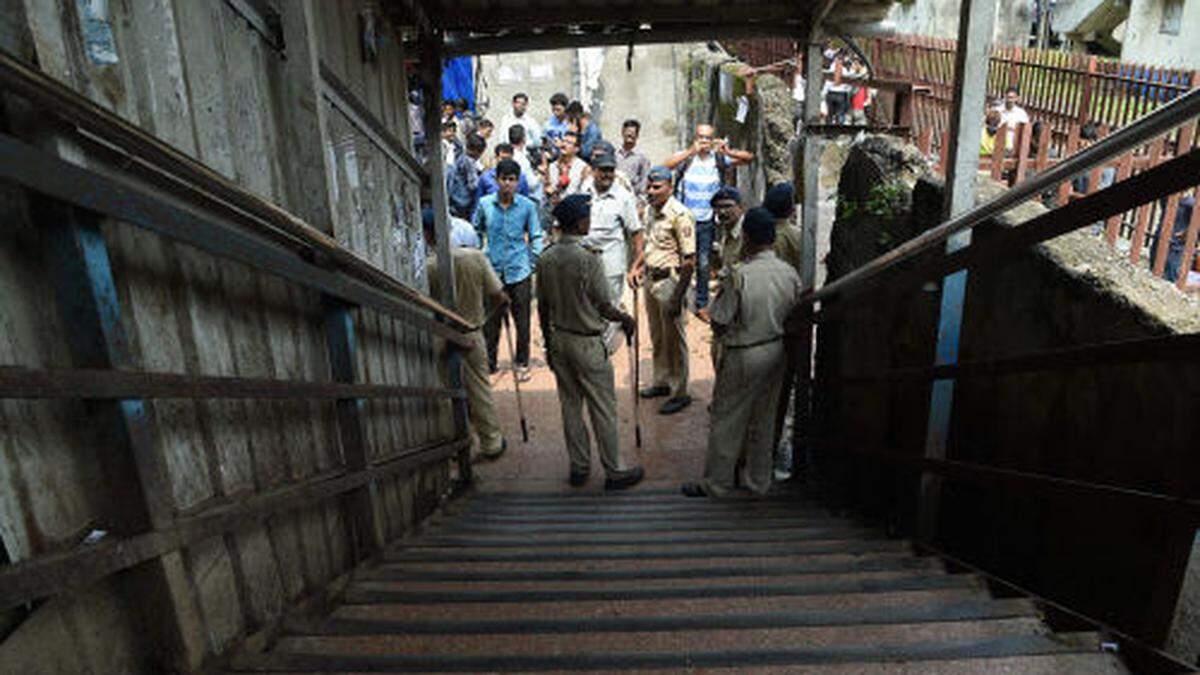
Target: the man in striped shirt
(700, 171)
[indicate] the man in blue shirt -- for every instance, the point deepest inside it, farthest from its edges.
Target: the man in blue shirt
(556, 126)
(512, 233)
(488, 183)
(462, 178)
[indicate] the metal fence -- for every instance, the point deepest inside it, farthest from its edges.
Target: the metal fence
(1073, 100)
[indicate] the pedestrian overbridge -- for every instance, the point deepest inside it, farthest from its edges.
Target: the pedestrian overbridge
(233, 426)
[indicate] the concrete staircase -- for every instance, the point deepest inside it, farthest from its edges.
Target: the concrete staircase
(654, 581)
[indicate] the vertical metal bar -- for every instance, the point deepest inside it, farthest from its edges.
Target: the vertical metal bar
(431, 76)
(123, 433)
(365, 529)
(976, 19)
(810, 221)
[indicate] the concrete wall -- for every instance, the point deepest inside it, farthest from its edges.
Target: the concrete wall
(198, 77)
(1144, 43)
(939, 18)
(1117, 424)
(649, 92)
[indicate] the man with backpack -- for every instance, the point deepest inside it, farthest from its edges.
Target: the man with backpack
(699, 172)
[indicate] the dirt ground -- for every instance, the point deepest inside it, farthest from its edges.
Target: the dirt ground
(672, 445)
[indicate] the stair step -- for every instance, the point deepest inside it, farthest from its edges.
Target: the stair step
(590, 573)
(646, 551)
(803, 561)
(864, 582)
(972, 648)
(1048, 664)
(601, 514)
(875, 614)
(524, 611)
(696, 524)
(481, 538)
(665, 641)
(558, 591)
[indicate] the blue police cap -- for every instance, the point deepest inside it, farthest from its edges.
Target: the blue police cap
(726, 193)
(780, 200)
(658, 174)
(759, 226)
(572, 209)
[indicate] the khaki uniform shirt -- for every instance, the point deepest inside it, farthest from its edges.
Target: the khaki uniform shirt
(789, 243)
(474, 282)
(670, 235)
(730, 248)
(571, 286)
(754, 302)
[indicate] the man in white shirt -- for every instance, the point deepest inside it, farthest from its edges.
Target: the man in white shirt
(1012, 115)
(533, 178)
(533, 130)
(614, 221)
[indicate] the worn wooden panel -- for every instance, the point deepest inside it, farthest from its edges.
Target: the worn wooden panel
(195, 75)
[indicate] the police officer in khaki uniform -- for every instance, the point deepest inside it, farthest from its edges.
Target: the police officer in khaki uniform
(780, 200)
(574, 307)
(670, 256)
(727, 207)
(749, 314)
(474, 282)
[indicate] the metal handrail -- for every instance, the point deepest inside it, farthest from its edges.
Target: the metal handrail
(1160, 121)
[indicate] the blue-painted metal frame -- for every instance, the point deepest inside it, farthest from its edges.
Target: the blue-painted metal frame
(366, 536)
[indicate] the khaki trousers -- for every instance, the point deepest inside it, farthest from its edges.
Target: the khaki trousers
(584, 375)
(745, 399)
(481, 408)
(667, 337)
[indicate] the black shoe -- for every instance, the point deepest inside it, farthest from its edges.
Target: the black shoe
(655, 392)
(692, 490)
(578, 479)
(674, 405)
(624, 479)
(492, 369)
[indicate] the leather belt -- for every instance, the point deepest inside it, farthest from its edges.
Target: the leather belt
(760, 343)
(659, 273)
(580, 333)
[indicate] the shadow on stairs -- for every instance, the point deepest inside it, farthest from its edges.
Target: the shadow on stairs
(651, 580)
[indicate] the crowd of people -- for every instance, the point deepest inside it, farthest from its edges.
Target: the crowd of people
(564, 216)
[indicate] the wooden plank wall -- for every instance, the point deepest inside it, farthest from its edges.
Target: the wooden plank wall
(198, 76)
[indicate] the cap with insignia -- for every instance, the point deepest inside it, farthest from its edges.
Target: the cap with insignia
(658, 174)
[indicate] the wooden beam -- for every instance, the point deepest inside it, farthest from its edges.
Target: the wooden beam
(657, 35)
(130, 462)
(605, 15)
(1146, 350)
(432, 53)
(17, 382)
(360, 116)
(58, 573)
(58, 100)
(138, 205)
(365, 535)
(976, 19)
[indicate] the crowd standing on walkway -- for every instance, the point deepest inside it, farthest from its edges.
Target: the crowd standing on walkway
(564, 216)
